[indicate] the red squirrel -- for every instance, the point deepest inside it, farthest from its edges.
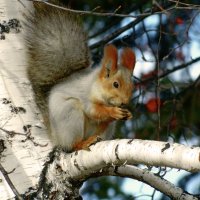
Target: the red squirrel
(79, 104)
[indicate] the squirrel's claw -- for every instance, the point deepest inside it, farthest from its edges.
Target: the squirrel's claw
(121, 113)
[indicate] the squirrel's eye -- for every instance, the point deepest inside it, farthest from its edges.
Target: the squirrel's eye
(116, 84)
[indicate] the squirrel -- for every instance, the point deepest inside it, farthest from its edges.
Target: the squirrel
(79, 104)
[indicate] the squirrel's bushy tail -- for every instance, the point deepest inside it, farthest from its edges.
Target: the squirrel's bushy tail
(56, 47)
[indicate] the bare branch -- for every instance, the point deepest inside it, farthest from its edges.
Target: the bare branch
(157, 89)
(148, 177)
(68, 171)
(140, 152)
(153, 180)
(105, 14)
(170, 71)
(186, 5)
(5, 174)
(186, 33)
(116, 33)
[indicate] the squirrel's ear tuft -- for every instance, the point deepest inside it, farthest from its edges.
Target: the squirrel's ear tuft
(109, 63)
(128, 58)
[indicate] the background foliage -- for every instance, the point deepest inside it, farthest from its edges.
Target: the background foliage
(166, 99)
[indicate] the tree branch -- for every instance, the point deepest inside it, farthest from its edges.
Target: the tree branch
(66, 173)
(186, 5)
(137, 18)
(182, 66)
(170, 71)
(147, 177)
(13, 188)
(153, 180)
(104, 14)
(116, 33)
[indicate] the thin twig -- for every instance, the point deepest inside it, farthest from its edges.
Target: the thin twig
(185, 4)
(186, 37)
(116, 33)
(105, 14)
(197, 81)
(107, 27)
(124, 28)
(158, 80)
(161, 8)
(113, 35)
(112, 23)
(148, 39)
(182, 66)
(13, 188)
(167, 72)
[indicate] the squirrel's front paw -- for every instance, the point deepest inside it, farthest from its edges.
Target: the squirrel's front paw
(120, 113)
(85, 144)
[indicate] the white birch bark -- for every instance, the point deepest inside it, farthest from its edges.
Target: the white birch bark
(151, 179)
(23, 154)
(79, 166)
(121, 152)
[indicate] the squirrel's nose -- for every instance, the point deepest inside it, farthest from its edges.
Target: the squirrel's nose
(124, 102)
(123, 105)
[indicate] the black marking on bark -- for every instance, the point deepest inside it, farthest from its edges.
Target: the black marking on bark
(116, 169)
(50, 160)
(199, 157)
(43, 186)
(85, 168)
(26, 128)
(167, 146)
(17, 110)
(116, 152)
(2, 146)
(76, 165)
(6, 101)
(130, 141)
